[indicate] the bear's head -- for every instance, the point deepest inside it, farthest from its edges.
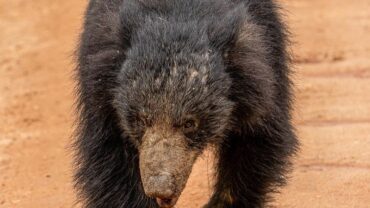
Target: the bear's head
(172, 100)
(177, 92)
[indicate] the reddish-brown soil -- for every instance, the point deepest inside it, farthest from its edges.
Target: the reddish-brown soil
(332, 112)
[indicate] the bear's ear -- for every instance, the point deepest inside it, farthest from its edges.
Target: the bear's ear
(247, 55)
(223, 31)
(132, 17)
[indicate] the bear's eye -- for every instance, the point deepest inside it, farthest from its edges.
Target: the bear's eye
(141, 122)
(144, 120)
(189, 126)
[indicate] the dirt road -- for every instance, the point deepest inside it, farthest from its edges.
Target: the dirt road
(332, 56)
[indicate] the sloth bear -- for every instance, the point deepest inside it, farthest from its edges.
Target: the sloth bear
(161, 80)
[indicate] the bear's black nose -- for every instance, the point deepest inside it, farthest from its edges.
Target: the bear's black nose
(162, 188)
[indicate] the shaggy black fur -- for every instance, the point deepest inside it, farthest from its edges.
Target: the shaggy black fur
(128, 50)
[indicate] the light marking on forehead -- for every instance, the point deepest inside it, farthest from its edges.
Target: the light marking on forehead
(204, 70)
(174, 70)
(134, 83)
(157, 82)
(206, 56)
(193, 73)
(204, 79)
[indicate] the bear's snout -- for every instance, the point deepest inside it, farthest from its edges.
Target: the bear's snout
(162, 187)
(165, 164)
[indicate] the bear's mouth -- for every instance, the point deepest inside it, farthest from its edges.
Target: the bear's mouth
(166, 202)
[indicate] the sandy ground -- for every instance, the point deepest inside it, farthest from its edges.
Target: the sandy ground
(332, 56)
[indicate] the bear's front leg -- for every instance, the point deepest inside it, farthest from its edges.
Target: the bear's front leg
(251, 165)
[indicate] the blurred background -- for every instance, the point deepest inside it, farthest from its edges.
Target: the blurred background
(331, 49)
